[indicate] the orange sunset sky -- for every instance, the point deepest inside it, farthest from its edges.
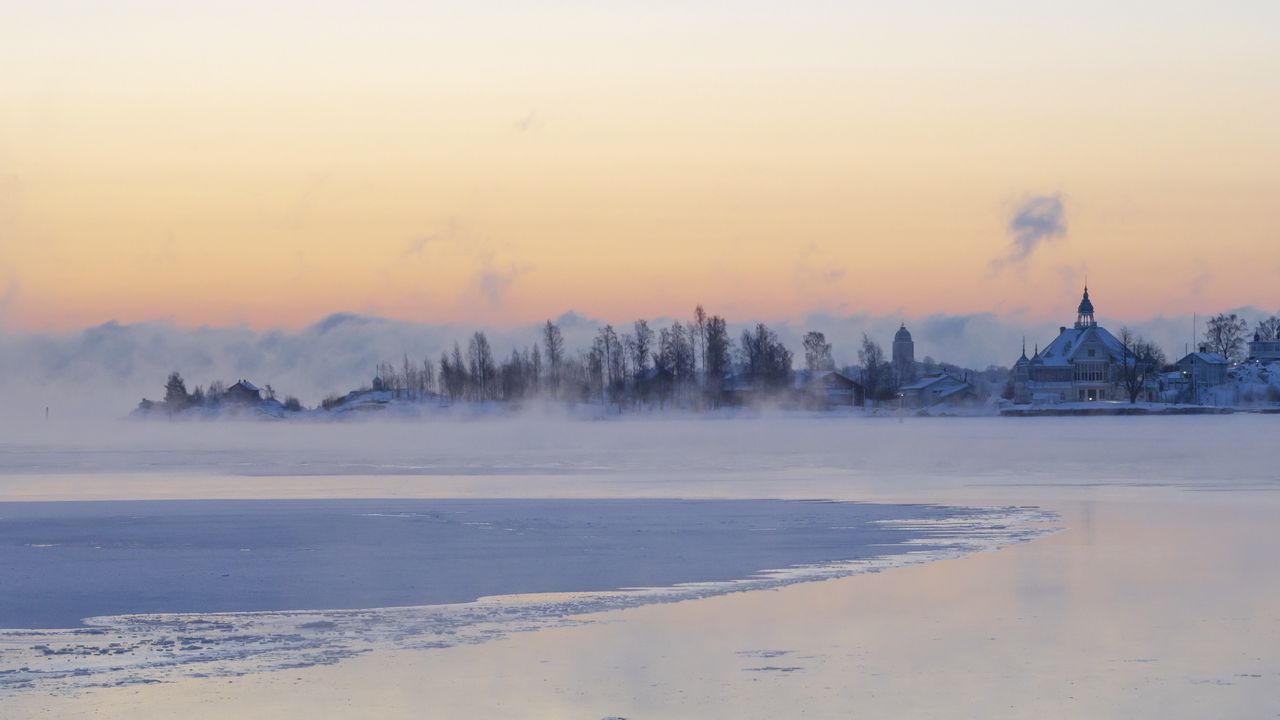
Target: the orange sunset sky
(270, 163)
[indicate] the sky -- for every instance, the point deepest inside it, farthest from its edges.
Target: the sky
(267, 164)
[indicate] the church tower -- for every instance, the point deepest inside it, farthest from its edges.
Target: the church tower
(904, 356)
(1084, 314)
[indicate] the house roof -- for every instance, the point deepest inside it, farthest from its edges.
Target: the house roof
(246, 385)
(803, 378)
(1064, 348)
(929, 381)
(1209, 358)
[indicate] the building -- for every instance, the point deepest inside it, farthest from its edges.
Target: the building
(1084, 362)
(1198, 372)
(904, 357)
(828, 389)
(1264, 351)
(937, 389)
(242, 392)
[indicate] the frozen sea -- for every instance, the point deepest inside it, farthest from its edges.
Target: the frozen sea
(972, 567)
(66, 561)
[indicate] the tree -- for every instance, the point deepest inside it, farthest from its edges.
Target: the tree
(641, 347)
(426, 377)
(675, 344)
(1142, 359)
(514, 375)
(875, 380)
(481, 367)
(764, 358)
(213, 396)
(1268, 329)
(553, 342)
(292, 404)
(453, 374)
(700, 320)
(817, 352)
(717, 360)
(1225, 335)
(409, 376)
(175, 393)
(535, 367)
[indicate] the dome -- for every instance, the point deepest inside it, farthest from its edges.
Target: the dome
(902, 334)
(1086, 307)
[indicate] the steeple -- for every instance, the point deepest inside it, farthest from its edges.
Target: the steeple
(1084, 314)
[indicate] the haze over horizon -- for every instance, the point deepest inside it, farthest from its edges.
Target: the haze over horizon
(272, 165)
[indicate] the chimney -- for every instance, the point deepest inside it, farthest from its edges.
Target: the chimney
(1062, 329)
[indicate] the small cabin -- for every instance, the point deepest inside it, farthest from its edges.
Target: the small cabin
(243, 392)
(828, 389)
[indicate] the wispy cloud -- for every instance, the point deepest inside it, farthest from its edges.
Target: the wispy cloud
(1037, 220)
(492, 275)
(493, 282)
(528, 122)
(414, 246)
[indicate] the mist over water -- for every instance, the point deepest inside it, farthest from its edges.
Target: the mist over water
(104, 371)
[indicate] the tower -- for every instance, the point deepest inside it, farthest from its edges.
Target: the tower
(904, 356)
(1084, 313)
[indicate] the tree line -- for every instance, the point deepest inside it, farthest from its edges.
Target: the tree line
(687, 364)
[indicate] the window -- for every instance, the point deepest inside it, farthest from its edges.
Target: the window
(1091, 352)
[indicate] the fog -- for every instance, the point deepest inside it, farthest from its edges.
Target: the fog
(105, 370)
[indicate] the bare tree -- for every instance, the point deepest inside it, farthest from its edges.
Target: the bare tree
(427, 375)
(875, 378)
(765, 359)
(453, 374)
(1268, 329)
(643, 345)
(213, 396)
(481, 368)
(817, 352)
(700, 320)
(1225, 335)
(1142, 359)
(553, 342)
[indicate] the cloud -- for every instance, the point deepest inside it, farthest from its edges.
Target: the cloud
(1199, 282)
(528, 122)
(493, 282)
(452, 232)
(491, 277)
(1037, 220)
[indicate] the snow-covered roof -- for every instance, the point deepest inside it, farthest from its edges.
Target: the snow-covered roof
(1209, 358)
(247, 385)
(1070, 342)
(803, 378)
(931, 380)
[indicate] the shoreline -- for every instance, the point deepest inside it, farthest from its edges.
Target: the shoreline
(1032, 630)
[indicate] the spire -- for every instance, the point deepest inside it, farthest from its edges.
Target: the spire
(1084, 313)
